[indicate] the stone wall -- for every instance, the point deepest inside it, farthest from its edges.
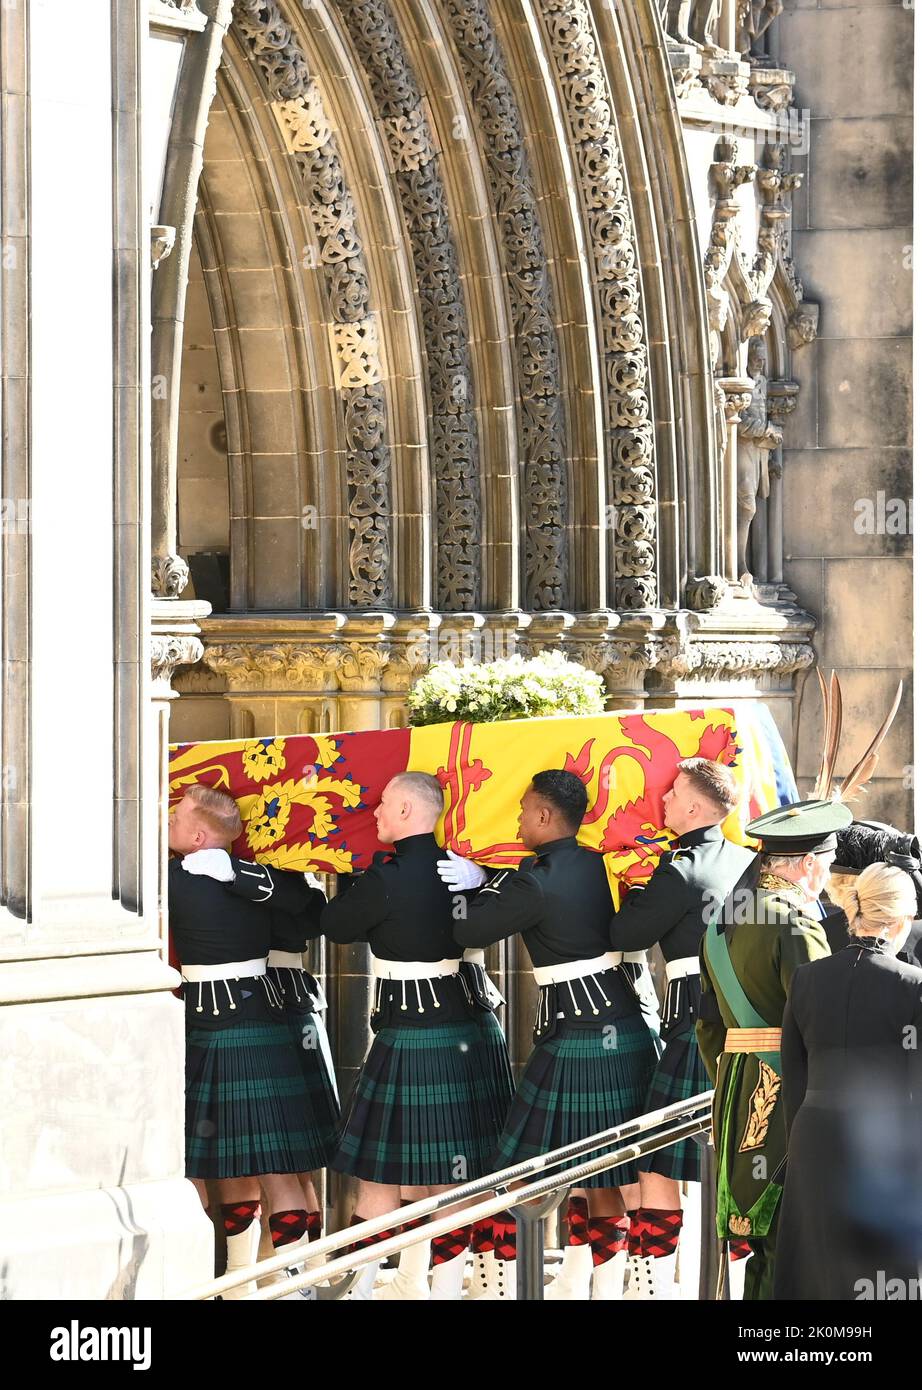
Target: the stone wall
(848, 480)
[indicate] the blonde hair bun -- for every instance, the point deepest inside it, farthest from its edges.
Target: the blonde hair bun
(881, 897)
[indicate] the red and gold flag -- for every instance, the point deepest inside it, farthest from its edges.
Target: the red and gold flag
(294, 820)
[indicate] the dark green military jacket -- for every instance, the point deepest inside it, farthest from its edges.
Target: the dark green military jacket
(687, 887)
(770, 936)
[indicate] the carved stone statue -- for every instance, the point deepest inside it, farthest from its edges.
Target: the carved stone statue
(757, 436)
(696, 23)
(676, 16)
(705, 24)
(753, 19)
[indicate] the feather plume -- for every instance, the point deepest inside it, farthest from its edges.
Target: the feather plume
(835, 702)
(824, 690)
(832, 732)
(866, 765)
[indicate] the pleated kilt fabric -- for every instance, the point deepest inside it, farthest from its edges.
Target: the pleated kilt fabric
(576, 1084)
(679, 1075)
(299, 990)
(496, 1064)
(248, 1110)
(422, 1108)
(304, 1029)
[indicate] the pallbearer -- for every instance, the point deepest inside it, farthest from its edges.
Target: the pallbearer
(768, 929)
(688, 886)
(304, 1003)
(594, 1053)
(248, 1112)
(423, 1113)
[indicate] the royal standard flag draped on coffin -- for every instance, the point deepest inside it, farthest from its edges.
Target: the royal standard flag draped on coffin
(626, 760)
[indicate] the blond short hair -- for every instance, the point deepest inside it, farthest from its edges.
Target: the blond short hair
(217, 810)
(424, 788)
(880, 897)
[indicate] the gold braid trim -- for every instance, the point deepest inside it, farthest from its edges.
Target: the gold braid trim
(774, 883)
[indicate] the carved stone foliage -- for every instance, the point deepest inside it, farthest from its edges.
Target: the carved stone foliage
(169, 575)
(628, 661)
(168, 652)
(453, 437)
(685, 63)
(252, 666)
(297, 104)
(631, 477)
(706, 591)
(544, 472)
(314, 669)
(722, 660)
(725, 83)
(772, 88)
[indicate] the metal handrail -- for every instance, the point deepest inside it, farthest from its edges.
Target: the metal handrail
(430, 1206)
(529, 1192)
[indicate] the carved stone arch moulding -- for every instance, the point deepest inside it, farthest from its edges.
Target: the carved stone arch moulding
(297, 104)
(454, 443)
(545, 485)
(583, 83)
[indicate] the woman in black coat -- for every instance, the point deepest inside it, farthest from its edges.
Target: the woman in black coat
(851, 1056)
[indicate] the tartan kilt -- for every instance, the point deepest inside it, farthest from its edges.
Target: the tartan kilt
(304, 1029)
(421, 1110)
(248, 1110)
(496, 1062)
(573, 1086)
(679, 1075)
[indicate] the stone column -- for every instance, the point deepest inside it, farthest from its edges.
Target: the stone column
(93, 1202)
(204, 26)
(737, 392)
(174, 642)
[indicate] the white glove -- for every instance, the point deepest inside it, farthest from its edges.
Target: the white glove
(459, 873)
(216, 863)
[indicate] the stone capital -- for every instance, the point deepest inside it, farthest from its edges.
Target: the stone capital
(175, 640)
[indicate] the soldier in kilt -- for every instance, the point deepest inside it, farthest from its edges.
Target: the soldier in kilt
(248, 1112)
(304, 1003)
(688, 885)
(423, 1113)
(594, 1053)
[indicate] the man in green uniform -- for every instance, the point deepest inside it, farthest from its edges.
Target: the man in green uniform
(768, 927)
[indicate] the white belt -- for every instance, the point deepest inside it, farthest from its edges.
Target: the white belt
(634, 958)
(474, 956)
(685, 965)
(412, 969)
(229, 970)
(286, 960)
(575, 969)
